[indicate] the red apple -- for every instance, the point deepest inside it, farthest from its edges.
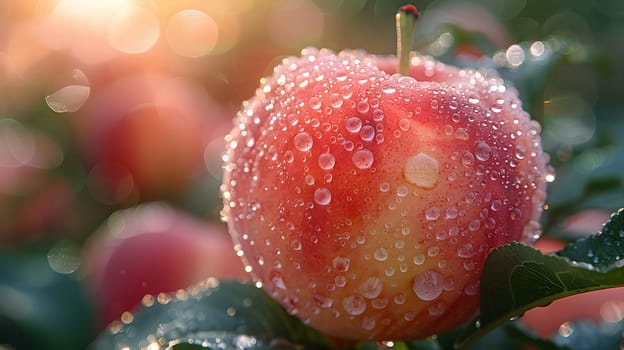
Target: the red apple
(152, 249)
(145, 136)
(366, 201)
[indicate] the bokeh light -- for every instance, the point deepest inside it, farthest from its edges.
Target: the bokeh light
(192, 33)
(134, 29)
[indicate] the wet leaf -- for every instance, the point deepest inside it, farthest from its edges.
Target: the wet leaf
(38, 306)
(517, 277)
(213, 314)
(424, 344)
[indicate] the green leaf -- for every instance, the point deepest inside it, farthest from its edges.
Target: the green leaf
(604, 250)
(424, 344)
(517, 277)
(224, 315)
(40, 308)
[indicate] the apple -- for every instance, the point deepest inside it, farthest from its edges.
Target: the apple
(366, 200)
(145, 136)
(151, 249)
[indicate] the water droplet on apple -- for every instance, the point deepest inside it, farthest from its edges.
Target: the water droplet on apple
(363, 159)
(381, 254)
(362, 107)
(483, 151)
(422, 170)
(371, 288)
(428, 285)
(341, 264)
(367, 133)
(335, 100)
(419, 259)
(354, 304)
(277, 280)
(303, 141)
(326, 161)
(354, 125)
(322, 196)
(432, 213)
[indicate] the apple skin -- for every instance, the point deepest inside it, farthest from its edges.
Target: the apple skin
(366, 202)
(598, 306)
(152, 249)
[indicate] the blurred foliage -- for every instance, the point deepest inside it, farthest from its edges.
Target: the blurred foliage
(47, 193)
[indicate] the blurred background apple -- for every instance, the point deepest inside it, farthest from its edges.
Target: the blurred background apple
(154, 249)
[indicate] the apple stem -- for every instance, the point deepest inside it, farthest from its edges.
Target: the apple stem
(406, 19)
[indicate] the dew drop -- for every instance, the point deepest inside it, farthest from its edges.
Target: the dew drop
(451, 213)
(289, 156)
(483, 151)
(340, 281)
(341, 264)
(381, 254)
(474, 225)
(433, 251)
(419, 259)
(322, 301)
(368, 323)
(384, 187)
(367, 133)
(465, 251)
(371, 288)
(404, 124)
(434, 104)
(277, 280)
(315, 103)
(379, 303)
(432, 213)
(326, 161)
(303, 141)
(520, 152)
(295, 244)
(322, 196)
(335, 100)
(354, 304)
(402, 191)
(428, 285)
(309, 180)
(378, 115)
(496, 205)
(467, 159)
(422, 170)
(362, 106)
(354, 125)
(388, 87)
(437, 309)
(515, 214)
(399, 299)
(363, 159)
